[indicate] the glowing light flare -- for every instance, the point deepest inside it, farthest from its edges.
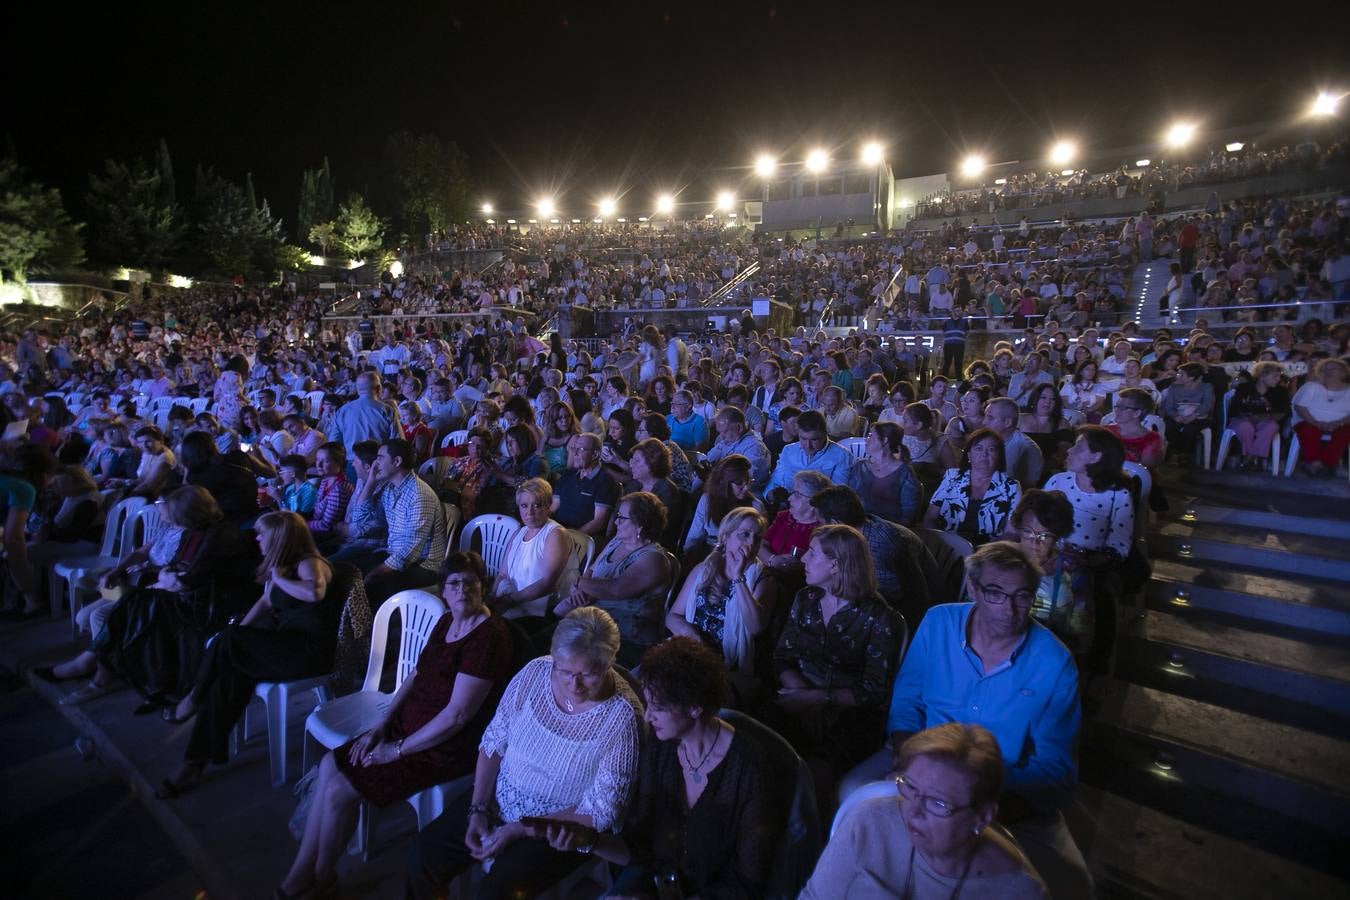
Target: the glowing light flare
(487, 209)
(396, 269)
(608, 206)
(1063, 152)
(1180, 134)
(765, 165)
(725, 200)
(972, 165)
(817, 161)
(873, 153)
(1143, 163)
(1234, 147)
(665, 204)
(545, 207)
(1324, 104)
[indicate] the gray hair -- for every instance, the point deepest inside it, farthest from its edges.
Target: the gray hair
(1006, 557)
(588, 632)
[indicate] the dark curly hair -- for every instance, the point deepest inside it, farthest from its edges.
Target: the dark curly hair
(683, 672)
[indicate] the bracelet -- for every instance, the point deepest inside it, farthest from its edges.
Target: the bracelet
(398, 749)
(478, 809)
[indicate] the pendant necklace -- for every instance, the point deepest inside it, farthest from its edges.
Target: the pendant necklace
(693, 771)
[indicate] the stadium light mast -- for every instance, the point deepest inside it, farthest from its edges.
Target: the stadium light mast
(665, 204)
(1063, 153)
(817, 161)
(973, 165)
(765, 165)
(1180, 134)
(873, 153)
(607, 207)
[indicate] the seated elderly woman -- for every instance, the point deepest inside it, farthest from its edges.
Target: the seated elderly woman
(649, 468)
(714, 847)
(976, 500)
(1256, 413)
(929, 835)
(429, 734)
(563, 745)
(631, 576)
(537, 565)
(788, 536)
(836, 654)
(1323, 407)
(1042, 521)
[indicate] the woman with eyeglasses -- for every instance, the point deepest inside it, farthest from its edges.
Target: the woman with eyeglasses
(1042, 520)
(429, 735)
(562, 745)
(929, 836)
(1142, 444)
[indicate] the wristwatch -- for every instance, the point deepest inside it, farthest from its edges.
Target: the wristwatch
(587, 847)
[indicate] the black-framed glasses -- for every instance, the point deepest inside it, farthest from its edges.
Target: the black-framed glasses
(997, 596)
(463, 584)
(934, 805)
(620, 517)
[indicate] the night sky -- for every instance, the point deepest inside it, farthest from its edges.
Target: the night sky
(586, 99)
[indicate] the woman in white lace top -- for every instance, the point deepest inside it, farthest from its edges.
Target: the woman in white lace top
(562, 745)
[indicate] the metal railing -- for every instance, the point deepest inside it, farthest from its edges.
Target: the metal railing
(727, 291)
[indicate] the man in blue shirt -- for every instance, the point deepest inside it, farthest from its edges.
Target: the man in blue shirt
(813, 450)
(989, 663)
(687, 428)
(734, 437)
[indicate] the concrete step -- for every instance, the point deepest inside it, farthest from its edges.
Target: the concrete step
(1241, 775)
(1315, 606)
(1265, 519)
(1297, 555)
(1137, 851)
(1282, 679)
(1238, 485)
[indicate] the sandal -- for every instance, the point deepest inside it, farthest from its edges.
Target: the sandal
(168, 715)
(187, 776)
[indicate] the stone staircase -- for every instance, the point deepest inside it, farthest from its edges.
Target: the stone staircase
(1218, 764)
(1147, 281)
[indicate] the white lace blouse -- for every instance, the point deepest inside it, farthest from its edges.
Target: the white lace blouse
(553, 760)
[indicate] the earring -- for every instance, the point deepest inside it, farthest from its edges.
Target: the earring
(977, 831)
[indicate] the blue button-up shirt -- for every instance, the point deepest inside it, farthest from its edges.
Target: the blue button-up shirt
(751, 446)
(832, 461)
(1029, 702)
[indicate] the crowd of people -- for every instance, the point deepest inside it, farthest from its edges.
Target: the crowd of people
(763, 510)
(1025, 190)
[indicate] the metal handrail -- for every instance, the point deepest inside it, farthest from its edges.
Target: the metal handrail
(730, 287)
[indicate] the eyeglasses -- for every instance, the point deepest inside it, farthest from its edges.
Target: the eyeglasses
(1039, 537)
(934, 805)
(997, 596)
(619, 517)
(463, 584)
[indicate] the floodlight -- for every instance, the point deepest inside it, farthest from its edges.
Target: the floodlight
(1234, 147)
(545, 207)
(1143, 163)
(396, 269)
(608, 206)
(725, 200)
(665, 204)
(765, 165)
(1325, 104)
(1063, 152)
(817, 160)
(487, 209)
(872, 153)
(972, 165)
(1180, 134)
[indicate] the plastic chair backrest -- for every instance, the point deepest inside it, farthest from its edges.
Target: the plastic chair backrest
(115, 527)
(800, 842)
(151, 525)
(200, 404)
(418, 612)
(434, 470)
(675, 582)
(496, 532)
(452, 517)
(583, 549)
(950, 550)
(856, 446)
(456, 438)
(314, 400)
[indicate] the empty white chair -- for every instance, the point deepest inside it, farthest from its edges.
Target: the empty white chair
(119, 540)
(337, 721)
(495, 532)
(856, 446)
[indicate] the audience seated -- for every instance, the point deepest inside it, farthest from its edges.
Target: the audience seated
(976, 500)
(537, 567)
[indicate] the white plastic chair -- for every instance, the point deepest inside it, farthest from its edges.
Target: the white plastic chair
(118, 541)
(583, 549)
(276, 697)
(335, 722)
(1141, 510)
(142, 528)
(199, 405)
(1229, 435)
(455, 439)
(434, 470)
(856, 446)
(452, 516)
(495, 533)
(314, 401)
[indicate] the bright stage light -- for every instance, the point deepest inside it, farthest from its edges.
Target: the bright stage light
(487, 209)
(1180, 134)
(972, 165)
(725, 200)
(545, 208)
(1325, 104)
(665, 204)
(872, 153)
(1063, 153)
(817, 160)
(765, 165)
(608, 206)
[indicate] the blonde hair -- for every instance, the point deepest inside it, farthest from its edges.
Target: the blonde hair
(537, 488)
(715, 580)
(286, 541)
(971, 748)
